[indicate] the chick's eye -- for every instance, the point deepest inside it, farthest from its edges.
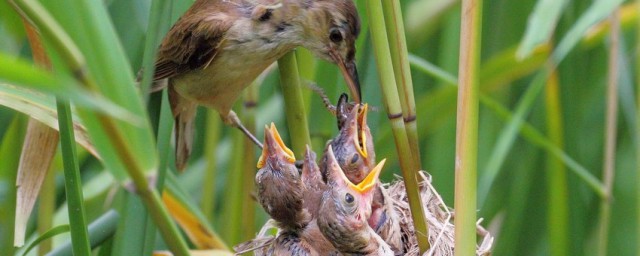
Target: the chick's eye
(355, 158)
(348, 198)
(335, 35)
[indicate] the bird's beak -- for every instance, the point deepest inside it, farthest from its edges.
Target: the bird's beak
(350, 73)
(363, 187)
(309, 166)
(274, 147)
(360, 139)
(369, 182)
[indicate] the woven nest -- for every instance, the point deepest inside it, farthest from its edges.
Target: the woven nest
(438, 215)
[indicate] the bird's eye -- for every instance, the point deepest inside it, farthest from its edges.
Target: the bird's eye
(355, 158)
(335, 35)
(349, 199)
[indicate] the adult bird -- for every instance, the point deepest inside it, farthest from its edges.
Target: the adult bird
(218, 47)
(344, 211)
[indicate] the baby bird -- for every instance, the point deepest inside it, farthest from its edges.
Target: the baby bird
(356, 160)
(353, 146)
(312, 182)
(345, 209)
(279, 187)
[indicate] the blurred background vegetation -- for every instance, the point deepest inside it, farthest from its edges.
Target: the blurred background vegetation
(536, 191)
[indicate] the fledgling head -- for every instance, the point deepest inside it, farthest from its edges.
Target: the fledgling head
(346, 207)
(274, 153)
(332, 27)
(353, 147)
(310, 170)
(352, 200)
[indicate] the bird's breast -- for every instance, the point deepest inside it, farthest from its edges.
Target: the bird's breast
(220, 83)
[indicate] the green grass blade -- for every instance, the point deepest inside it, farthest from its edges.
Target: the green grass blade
(73, 183)
(527, 130)
(158, 25)
(100, 231)
(18, 72)
(46, 235)
(611, 129)
(507, 136)
(542, 22)
(10, 155)
(598, 11)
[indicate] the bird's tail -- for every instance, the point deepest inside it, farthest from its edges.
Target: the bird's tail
(184, 113)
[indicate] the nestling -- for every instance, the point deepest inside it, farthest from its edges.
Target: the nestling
(345, 209)
(278, 183)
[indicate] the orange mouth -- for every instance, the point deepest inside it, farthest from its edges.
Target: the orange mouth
(273, 139)
(360, 140)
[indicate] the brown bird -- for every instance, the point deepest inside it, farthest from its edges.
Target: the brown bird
(307, 240)
(352, 121)
(353, 146)
(218, 47)
(312, 182)
(279, 187)
(384, 219)
(345, 209)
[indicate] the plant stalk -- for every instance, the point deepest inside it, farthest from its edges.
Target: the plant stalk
(73, 181)
(207, 204)
(610, 135)
(637, 2)
(467, 128)
(402, 71)
(394, 113)
(294, 104)
(249, 167)
(558, 206)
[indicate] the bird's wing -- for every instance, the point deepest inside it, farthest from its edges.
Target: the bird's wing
(191, 44)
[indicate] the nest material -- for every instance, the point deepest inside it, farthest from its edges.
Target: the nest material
(438, 215)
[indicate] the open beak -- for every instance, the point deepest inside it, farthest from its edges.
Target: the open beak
(350, 73)
(360, 139)
(309, 166)
(274, 147)
(363, 187)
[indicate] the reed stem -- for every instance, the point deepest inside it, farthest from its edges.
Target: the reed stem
(249, 166)
(294, 104)
(394, 112)
(402, 72)
(558, 206)
(467, 129)
(608, 170)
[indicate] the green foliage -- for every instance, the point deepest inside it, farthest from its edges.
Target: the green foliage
(540, 153)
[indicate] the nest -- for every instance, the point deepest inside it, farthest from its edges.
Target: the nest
(438, 215)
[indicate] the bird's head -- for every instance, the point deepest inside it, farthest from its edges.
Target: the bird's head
(274, 153)
(353, 147)
(332, 27)
(352, 201)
